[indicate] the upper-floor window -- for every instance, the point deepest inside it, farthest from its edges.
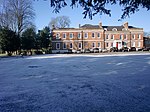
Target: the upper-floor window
(105, 29)
(114, 29)
(139, 36)
(133, 36)
(71, 35)
(121, 37)
(85, 35)
(98, 35)
(93, 35)
(57, 35)
(111, 44)
(57, 45)
(107, 36)
(79, 35)
(125, 37)
(64, 35)
(112, 37)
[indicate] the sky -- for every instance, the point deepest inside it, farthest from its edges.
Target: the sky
(44, 13)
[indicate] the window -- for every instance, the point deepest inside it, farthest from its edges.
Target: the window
(57, 45)
(99, 44)
(112, 37)
(98, 35)
(133, 36)
(139, 44)
(125, 37)
(107, 36)
(114, 29)
(57, 36)
(80, 45)
(64, 46)
(64, 35)
(107, 44)
(85, 35)
(71, 35)
(139, 36)
(70, 45)
(93, 35)
(121, 37)
(133, 44)
(111, 44)
(93, 44)
(79, 35)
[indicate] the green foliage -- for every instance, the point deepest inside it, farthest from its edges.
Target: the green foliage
(28, 39)
(9, 41)
(92, 7)
(43, 38)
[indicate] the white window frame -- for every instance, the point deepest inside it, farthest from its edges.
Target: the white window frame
(80, 45)
(85, 34)
(57, 35)
(70, 35)
(99, 44)
(133, 44)
(57, 44)
(107, 37)
(125, 35)
(121, 36)
(93, 43)
(64, 35)
(99, 35)
(139, 36)
(112, 36)
(133, 36)
(92, 35)
(79, 37)
(139, 44)
(64, 44)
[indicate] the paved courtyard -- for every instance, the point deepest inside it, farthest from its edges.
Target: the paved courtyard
(75, 83)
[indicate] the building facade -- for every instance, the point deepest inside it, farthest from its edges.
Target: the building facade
(96, 36)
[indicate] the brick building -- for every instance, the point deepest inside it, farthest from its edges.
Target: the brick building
(96, 36)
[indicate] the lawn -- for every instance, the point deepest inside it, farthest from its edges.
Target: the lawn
(75, 83)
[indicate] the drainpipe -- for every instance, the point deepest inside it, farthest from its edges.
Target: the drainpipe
(82, 40)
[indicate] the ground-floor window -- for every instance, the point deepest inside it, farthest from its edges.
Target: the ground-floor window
(80, 45)
(133, 44)
(57, 45)
(139, 44)
(93, 44)
(107, 44)
(111, 44)
(64, 46)
(99, 44)
(71, 46)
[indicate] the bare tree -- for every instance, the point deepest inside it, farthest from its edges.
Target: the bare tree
(17, 14)
(60, 22)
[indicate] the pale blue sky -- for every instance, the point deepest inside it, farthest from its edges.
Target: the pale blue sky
(44, 13)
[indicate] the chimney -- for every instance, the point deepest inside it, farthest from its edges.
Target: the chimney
(100, 24)
(125, 25)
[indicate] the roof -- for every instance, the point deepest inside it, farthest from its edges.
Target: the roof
(109, 28)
